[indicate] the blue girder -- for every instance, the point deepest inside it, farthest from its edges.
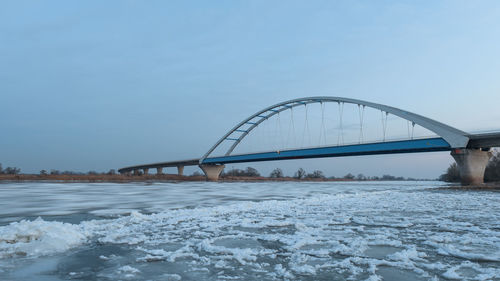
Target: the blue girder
(390, 147)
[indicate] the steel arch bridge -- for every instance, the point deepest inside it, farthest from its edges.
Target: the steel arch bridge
(452, 137)
(448, 139)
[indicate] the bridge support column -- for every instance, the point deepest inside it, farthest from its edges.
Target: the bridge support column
(212, 172)
(136, 172)
(471, 163)
(146, 171)
(180, 170)
(159, 170)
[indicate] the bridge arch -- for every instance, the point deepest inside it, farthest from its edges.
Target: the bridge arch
(454, 137)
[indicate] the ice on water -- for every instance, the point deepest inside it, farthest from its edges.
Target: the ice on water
(411, 233)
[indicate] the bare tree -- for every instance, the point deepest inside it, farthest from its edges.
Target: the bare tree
(276, 173)
(317, 174)
(300, 173)
(10, 170)
(248, 172)
(492, 172)
(452, 174)
(251, 172)
(349, 176)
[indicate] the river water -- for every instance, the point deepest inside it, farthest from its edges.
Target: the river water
(248, 231)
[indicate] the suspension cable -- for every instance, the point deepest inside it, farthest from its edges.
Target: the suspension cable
(266, 131)
(412, 129)
(322, 131)
(294, 134)
(361, 117)
(291, 128)
(384, 123)
(305, 126)
(309, 142)
(341, 132)
(276, 134)
(408, 127)
(280, 141)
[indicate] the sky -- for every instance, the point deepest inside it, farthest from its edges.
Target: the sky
(99, 85)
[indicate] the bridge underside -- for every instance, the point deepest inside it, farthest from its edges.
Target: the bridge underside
(179, 164)
(392, 147)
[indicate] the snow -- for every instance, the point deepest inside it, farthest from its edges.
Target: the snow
(39, 237)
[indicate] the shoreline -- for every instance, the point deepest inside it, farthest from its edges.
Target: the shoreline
(154, 178)
(117, 178)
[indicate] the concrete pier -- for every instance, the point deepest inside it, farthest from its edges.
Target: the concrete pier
(472, 164)
(159, 171)
(212, 172)
(146, 171)
(180, 170)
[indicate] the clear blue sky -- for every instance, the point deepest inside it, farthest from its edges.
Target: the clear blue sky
(95, 85)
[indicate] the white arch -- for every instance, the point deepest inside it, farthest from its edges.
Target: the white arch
(456, 138)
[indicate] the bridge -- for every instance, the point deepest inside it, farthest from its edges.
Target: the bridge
(470, 151)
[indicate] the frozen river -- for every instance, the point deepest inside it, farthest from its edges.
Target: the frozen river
(248, 231)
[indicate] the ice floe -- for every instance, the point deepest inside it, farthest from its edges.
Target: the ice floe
(361, 236)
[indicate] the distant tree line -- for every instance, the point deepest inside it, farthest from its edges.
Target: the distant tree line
(248, 172)
(451, 175)
(16, 171)
(9, 170)
(57, 172)
(491, 174)
(302, 174)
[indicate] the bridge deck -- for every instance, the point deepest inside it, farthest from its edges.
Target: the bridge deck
(484, 140)
(190, 162)
(390, 147)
